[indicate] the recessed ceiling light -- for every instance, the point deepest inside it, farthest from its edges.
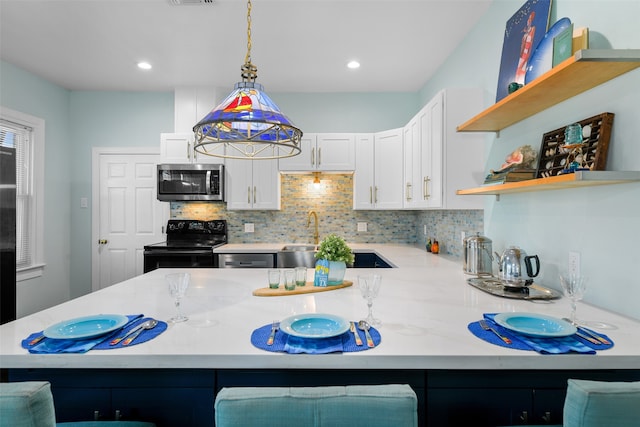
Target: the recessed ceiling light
(144, 65)
(353, 65)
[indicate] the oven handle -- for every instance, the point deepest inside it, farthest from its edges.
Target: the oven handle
(178, 253)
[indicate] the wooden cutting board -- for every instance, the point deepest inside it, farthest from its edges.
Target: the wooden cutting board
(307, 289)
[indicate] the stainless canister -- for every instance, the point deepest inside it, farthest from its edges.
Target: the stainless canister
(478, 255)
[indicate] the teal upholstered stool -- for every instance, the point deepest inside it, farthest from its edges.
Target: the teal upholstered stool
(598, 403)
(601, 404)
(30, 404)
(335, 406)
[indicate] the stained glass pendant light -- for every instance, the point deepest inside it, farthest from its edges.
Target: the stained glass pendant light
(247, 124)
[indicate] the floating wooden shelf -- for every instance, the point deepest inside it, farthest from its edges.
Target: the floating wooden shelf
(586, 69)
(572, 180)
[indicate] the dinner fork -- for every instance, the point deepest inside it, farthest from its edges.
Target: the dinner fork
(483, 323)
(274, 328)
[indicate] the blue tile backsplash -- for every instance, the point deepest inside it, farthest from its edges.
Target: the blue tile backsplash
(333, 202)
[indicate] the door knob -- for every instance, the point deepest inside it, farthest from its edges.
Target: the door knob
(102, 241)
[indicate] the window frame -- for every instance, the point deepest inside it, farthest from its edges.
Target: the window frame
(36, 219)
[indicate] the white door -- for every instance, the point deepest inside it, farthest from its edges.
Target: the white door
(126, 215)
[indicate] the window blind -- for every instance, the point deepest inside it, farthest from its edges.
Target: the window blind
(19, 137)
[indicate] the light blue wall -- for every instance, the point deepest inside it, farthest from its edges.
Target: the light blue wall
(24, 92)
(601, 223)
(106, 119)
(348, 112)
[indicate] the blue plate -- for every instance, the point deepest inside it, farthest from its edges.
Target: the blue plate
(535, 325)
(542, 59)
(86, 327)
(314, 325)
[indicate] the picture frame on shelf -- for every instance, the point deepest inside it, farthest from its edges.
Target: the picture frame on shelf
(524, 30)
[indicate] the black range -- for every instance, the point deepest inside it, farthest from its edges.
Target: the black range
(189, 244)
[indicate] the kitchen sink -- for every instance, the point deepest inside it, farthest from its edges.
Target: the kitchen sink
(299, 248)
(291, 256)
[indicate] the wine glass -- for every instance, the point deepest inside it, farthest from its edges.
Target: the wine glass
(178, 284)
(574, 287)
(369, 287)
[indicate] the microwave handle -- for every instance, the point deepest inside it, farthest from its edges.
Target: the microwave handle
(208, 186)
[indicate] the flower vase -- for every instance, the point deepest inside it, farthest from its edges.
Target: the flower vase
(337, 269)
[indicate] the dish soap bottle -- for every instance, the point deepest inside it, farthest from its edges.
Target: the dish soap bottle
(429, 245)
(435, 247)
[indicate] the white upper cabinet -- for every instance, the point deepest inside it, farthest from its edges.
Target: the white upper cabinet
(438, 160)
(323, 152)
(379, 173)
(463, 153)
(178, 148)
(253, 184)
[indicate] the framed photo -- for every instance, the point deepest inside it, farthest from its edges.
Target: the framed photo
(522, 34)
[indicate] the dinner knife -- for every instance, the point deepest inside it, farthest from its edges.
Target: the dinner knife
(356, 336)
(136, 329)
(588, 332)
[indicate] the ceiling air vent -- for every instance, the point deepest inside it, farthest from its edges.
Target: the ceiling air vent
(190, 2)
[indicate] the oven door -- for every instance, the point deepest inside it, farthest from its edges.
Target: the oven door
(167, 258)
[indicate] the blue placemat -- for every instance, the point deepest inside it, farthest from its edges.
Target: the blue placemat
(52, 346)
(286, 343)
(558, 345)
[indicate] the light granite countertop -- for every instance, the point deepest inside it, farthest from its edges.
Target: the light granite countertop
(425, 305)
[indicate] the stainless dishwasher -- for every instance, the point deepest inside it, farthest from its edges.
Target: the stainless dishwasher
(243, 260)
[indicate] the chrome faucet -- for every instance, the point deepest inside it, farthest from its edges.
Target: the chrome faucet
(316, 234)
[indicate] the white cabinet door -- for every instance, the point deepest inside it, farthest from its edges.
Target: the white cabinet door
(176, 147)
(305, 161)
(412, 143)
(266, 185)
(335, 152)
(463, 152)
(433, 157)
(253, 184)
(363, 178)
(387, 192)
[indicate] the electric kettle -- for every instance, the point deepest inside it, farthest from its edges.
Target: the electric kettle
(516, 268)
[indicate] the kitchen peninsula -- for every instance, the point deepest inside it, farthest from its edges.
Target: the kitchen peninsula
(425, 305)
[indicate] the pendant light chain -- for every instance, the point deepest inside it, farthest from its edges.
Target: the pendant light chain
(249, 71)
(247, 124)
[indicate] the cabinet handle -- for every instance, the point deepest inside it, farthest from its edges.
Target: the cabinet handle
(370, 195)
(408, 191)
(117, 416)
(319, 156)
(425, 189)
(313, 157)
(248, 195)
(254, 195)
(103, 241)
(547, 417)
(375, 195)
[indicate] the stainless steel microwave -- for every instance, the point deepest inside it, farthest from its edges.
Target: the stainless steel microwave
(191, 181)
